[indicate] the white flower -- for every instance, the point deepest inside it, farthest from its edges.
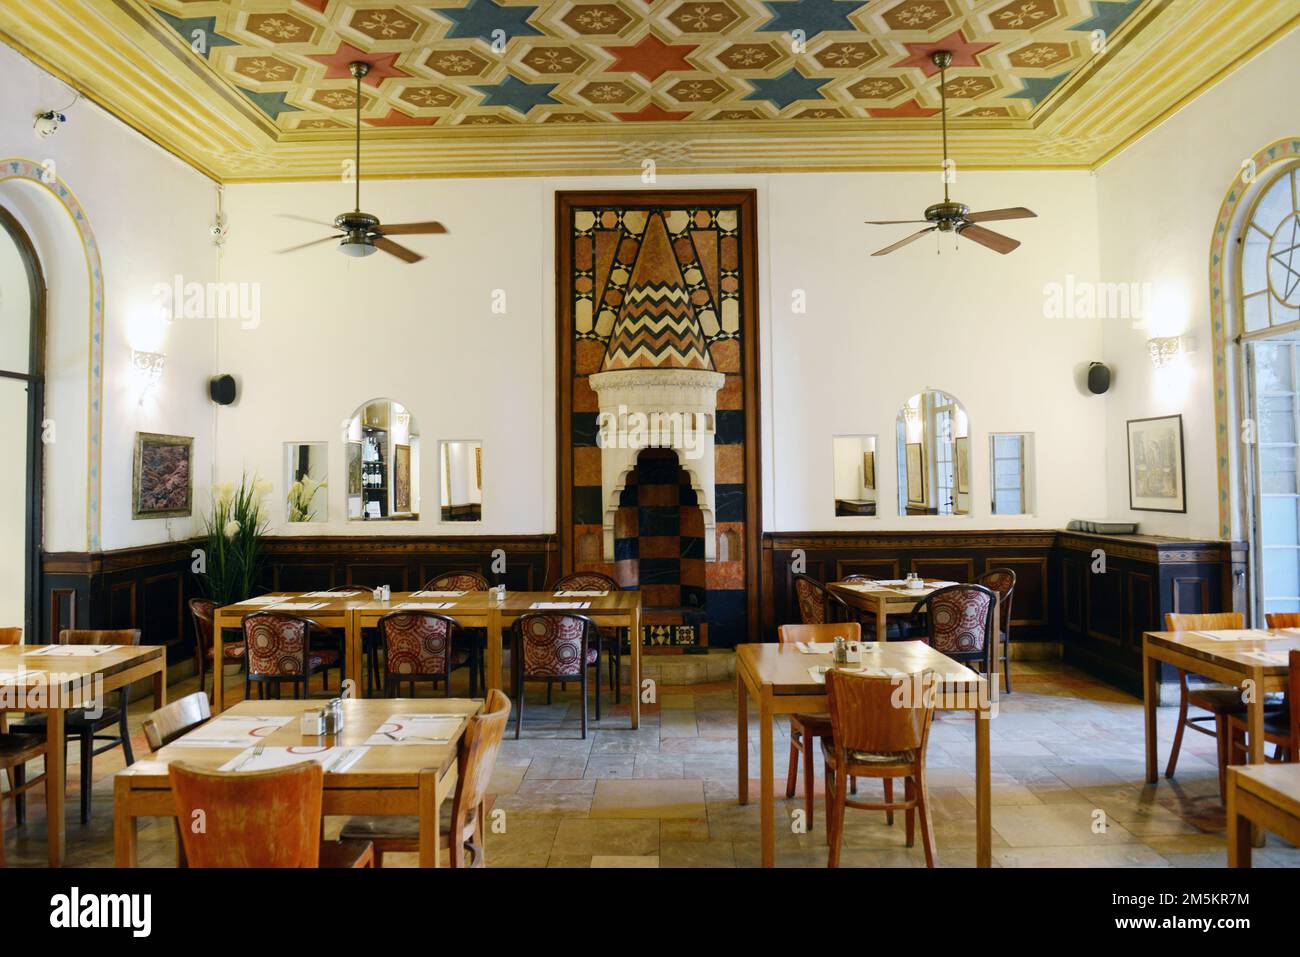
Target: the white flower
(224, 492)
(262, 487)
(296, 489)
(231, 529)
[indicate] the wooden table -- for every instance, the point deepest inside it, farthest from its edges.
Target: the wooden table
(73, 681)
(776, 676)
(883, 601)
(1266, 796)
(408, 780)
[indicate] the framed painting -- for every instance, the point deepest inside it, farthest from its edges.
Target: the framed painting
(162, 481)
(353, 450)
(962, 455)
(869, 470)
(915, 473)
(401, 478)
(1156, 470)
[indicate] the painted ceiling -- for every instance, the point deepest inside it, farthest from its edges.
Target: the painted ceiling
(257, 89)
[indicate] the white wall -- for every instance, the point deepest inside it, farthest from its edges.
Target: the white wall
(1157, 203)
(149, 213)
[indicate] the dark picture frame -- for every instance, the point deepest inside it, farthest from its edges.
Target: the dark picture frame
(1157, 466)
(162, 476)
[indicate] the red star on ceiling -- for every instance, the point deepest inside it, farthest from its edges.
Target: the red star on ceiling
(336, 64)
(651, 114)
(398, 118)
(650, 57)
(910, 108)
(963, 53)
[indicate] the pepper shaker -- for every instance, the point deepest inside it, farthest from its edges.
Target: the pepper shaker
(840, 654)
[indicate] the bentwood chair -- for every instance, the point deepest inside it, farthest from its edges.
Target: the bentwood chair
(1002, 581)
(610, 640)
(476, 638)
(178, 718)
(805, 729)
(873, 735)
(959, 623)
(232, 652)
(280, 651)
(423, 646)
(1220, 701)
(87, 728)
(553, 647)
(259, 819)
(1281, 726)
(810, 595)
(469, 807)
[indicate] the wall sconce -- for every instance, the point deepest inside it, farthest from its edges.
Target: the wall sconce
(148, 365)
(1165, 349)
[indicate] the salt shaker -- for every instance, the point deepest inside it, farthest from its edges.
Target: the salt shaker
(840, 654)
(313, 722)
(336, 712)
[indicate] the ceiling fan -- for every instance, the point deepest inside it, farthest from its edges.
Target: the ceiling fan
(362, 233)
(949, 216)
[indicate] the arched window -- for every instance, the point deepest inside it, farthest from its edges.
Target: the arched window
(1270, 257)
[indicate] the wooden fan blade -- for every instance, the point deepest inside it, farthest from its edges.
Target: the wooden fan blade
(987, 237)
(993, 215)
(314, 242)
(306, 219)
(410, 229)
(893, 222)
(903, 242)
(401, 252)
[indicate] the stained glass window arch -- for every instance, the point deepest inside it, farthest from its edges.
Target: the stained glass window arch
(1269, 276)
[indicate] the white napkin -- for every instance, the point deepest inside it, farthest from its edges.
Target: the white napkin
(581, 594)
(296, 606)
(437, 594)
(233, 730)
(329, 594)
(262, 600)
(332, 759)
(69, 651)
(1237, 634)
(560, 604)
(1272, 658)
(423, 605)
(417, 729)
(818, 672)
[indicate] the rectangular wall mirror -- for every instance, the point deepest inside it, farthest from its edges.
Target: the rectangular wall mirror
(306, 466)
(461, 480)
(1011, 460)
(855, 474)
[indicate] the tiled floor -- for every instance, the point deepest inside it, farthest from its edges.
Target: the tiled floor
(1068, 790)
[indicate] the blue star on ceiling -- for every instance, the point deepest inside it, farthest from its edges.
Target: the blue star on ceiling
(272, 104)
(1035, 89)
(810, 16)
(790, 87)
(517, 94)
(205, 25)
(480, 18)
(1107, 15)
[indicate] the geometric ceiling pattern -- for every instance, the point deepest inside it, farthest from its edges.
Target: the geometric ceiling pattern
(504, 86)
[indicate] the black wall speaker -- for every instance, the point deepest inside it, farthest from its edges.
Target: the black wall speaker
(223, 391)
(1098, 378)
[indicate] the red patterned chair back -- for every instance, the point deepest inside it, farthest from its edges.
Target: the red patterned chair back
(880, 714)
(277, 643)
(587, 581)
(417, 643)
(811, 596)
(458, 581)
(1002, 581)
(202, 609)
(960, 618)
(553, 645)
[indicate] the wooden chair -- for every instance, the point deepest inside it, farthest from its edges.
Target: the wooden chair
(11, 636)
(423, 646)
(279, 651)
(959, 623)
(873, 737)
(87, 728)
(257, 818)
(469, 806)
(15, 751)
(1002, 581)
(810, 595)
(1220, 701)
(1281, 727)
(611, 640)
(1275, 619)
(173, 720)
(805, 729)
(475, 638)
(232, 652)
(553, 647)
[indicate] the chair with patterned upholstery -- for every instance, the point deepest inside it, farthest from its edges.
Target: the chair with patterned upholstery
(280, 650)
(553, 647)
(423, 646)
(475, 638)
(1002, 581)
(874, 734)
(232, 652)
(611, 640)
(810, 595)
(959, 623)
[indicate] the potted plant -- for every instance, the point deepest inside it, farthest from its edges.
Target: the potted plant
(300, 498)
(235, 528)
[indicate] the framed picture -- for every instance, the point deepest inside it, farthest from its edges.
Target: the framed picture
(401, 478)
(162, 482)
(869, 470)
(915, 473)
(962, 444)
(478, 467)
(353, 450)
(1156, 471)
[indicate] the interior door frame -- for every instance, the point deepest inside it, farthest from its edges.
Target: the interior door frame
(35, 379)
(746, 201)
